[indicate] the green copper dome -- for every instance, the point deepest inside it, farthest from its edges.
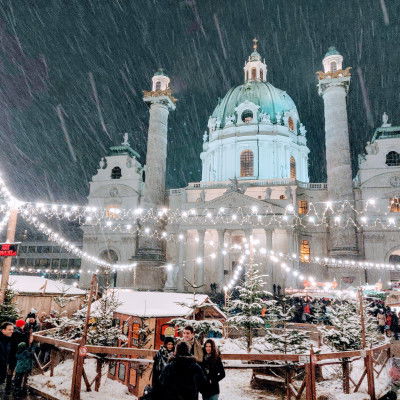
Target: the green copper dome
(270, 100)
(332, 52)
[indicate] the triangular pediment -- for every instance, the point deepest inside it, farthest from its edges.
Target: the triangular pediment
(235, 200)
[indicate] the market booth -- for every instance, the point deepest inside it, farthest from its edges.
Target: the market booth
(145, 318)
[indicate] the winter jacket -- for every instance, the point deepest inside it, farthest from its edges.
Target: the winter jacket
(182, 379)
(160, 362)
(24, 361)
(214, 372)
(6, 354)
(195, 349)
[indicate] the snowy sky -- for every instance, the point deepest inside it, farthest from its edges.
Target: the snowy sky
(72, 75)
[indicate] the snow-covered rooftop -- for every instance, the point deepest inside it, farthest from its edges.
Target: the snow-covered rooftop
(157, 304)
(38, 284)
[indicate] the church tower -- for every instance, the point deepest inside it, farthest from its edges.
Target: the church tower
(333, 86)
(151, 253)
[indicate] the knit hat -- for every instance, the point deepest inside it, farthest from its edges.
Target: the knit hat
(21, 346)
(169, 340)
(31, 315)
(19, 323)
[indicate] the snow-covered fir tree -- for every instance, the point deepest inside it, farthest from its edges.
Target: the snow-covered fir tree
(8, 310)
(247, 308)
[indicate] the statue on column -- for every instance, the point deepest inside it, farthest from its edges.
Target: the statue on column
(125, 142)
(268, 192)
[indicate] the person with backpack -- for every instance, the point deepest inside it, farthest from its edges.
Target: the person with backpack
(182, 378)
(213, 370)
(23, 367)
(160, 361)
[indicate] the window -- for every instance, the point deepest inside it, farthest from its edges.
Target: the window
(246, 163)
(291, 123)
(109, 256)
(111, 371)
(63, 263)
(253, 74)
(110, 211)
(116, 173)
(247, 116)
(55, 263)
(305, 251)
(282, 197)
(333, 66)
(158, 85)
(121, 372)
(21, 262)
(392, 159)
(303, 207)
(32, 249)
(292, 167)
(395, 204)
(261, 74)
(132, 377)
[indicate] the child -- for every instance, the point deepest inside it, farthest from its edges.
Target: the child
(23, 367)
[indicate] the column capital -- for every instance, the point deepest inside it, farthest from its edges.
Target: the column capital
(325, 84)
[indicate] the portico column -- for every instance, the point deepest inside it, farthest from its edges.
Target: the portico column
(200, 256)
(181, 261)
(220, 258)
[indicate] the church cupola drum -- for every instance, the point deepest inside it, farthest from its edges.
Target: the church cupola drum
(255, 132)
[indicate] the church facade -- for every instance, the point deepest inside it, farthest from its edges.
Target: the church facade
(255, 185)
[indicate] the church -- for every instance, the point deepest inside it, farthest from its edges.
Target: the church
(254, 189)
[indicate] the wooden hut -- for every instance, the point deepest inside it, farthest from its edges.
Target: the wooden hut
(145, 318)
(36, 292)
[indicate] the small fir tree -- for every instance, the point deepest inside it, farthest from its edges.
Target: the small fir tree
(247, 308)
(8, 310)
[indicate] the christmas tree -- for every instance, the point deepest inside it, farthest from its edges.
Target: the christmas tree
(248, 307)
(8, 310)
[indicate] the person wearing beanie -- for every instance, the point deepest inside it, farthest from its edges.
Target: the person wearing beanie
(23, 367)
(160, 361)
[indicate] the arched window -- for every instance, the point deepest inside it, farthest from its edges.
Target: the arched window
(247, 116)
(246, 163)
(395, 204)
(158, 85)
(292, 167)
(291, 123)
(247, 75)
(109, 256)
(305, 251)
(261, 74)
(392, 159)
(253, 74)
(116, 173)
(112, 211)
(333, 66)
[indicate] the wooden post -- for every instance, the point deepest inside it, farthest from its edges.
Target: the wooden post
(311, 391)
(97, 381)
(52, 362)
(78, 358)
(346, 375)
(370, 374)
(10, 238)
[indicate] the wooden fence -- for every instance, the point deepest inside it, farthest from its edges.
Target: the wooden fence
(374, 361)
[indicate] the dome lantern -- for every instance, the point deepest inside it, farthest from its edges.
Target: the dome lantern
(160, 81)
(332, 61)
(255, 69)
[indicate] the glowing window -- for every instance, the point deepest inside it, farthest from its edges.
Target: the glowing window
(247, 116)
(305, 251)
(253, 74)
(395, 204)
(303, 207)
(292, 167)
(116, 173)
(246, 163)
(132, 377)
(111, 211)
(291, 123)
(392, 159)
(158, 85)
(333, 66)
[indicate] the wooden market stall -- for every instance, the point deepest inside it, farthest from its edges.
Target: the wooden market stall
(36, 292)
(145, 318)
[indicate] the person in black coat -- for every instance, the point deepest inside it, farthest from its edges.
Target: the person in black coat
(6, 352)
(182, 378)
(160, 362)
(213, 369)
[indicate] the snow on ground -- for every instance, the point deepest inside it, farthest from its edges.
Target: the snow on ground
(59, 385)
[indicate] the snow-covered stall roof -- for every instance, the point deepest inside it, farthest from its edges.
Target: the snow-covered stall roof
(159, 304)
(38, 284)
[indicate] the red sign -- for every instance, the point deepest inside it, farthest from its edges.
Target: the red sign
(8, 249)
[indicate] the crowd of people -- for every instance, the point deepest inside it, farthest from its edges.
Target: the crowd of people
(17, 353)
(184, 369)
(387, 319)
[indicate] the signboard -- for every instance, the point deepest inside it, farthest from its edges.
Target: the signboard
(8, 249)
